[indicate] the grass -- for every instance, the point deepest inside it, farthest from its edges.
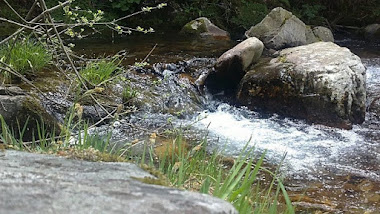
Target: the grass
(175, 163)
(25, 56)
(234, 180)
(99, 72)
(128, 92)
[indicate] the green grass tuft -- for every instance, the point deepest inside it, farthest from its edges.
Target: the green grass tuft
(98, 72)
(198, 170)
(25, 56)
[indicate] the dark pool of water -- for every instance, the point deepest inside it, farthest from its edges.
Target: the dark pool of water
(170, 47)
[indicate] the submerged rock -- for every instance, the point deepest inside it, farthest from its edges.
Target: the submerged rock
(232, 65)
(202, 27)
(281, 29)
(36, 183)
(372, 32)
(320, 82)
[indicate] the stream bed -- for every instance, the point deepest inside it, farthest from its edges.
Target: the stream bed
(326, 169)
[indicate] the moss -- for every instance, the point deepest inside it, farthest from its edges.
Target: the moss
(150, 180)
(160, 178)
(89, 154)
(31, 104)
(282, 59)
(194, 27)
(37, 112)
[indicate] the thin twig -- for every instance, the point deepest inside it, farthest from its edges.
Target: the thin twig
(31, 10)
(14, 11)
(146, 57)
(17, 23)
(45, 139)
(9, 69)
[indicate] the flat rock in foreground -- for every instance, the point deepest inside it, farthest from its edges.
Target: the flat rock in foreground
(36, 183)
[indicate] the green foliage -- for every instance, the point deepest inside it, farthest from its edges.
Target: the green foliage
(128, 93)
(249, 14)
(217, 10)
(285, 2)
(25, 56)
(311, 12)
(99, 71)
(125, 5)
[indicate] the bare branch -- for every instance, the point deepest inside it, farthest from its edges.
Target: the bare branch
(14, 11)
(34, 20)
(18, 24)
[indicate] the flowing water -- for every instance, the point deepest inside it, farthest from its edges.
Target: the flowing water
(325, 168)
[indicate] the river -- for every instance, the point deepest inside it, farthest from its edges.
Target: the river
(332, 169)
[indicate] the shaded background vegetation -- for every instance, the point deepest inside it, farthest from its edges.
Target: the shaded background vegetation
(233, 15)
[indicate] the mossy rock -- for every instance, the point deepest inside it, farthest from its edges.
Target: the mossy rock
(20, 110)
(203, 28)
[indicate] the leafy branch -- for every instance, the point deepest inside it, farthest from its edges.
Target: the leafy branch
(49, 32)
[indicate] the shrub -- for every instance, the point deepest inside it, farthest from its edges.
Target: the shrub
(25, 55)
(98, 72)
(310, 13)
(249, 13)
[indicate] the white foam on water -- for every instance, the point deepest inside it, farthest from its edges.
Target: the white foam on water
(373, 70)
(308, 148)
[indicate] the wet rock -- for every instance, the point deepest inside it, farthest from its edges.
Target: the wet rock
(202, 27)
(232, 65)
(374, 107)
(35, 183)
(59, 106)
(19, 109)
(168, 93)
(372, 32)
(281, 29)
(320, 82)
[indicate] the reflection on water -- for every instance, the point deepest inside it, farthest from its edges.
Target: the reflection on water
(171, 47)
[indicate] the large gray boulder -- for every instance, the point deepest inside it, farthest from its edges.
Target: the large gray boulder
(35, 183)
(202, 27)
(281, 29)
(232, 65)
(320, 82)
